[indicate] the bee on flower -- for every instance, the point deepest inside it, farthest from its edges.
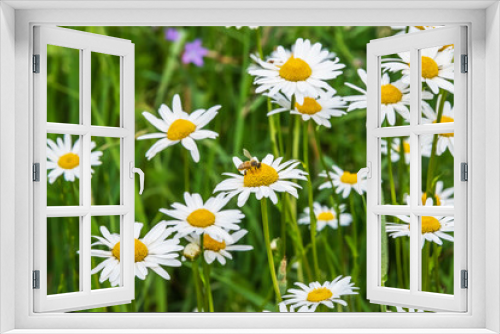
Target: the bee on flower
(264, 180)
(176, 126)
(302, 72)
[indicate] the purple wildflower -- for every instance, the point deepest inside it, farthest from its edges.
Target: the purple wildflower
(194, 53)
(172, 34)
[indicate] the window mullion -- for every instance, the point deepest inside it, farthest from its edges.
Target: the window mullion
(414, 171)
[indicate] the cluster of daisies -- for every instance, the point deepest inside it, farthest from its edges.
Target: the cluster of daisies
(295, 80)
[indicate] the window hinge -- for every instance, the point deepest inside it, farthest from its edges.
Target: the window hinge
(36, 279)
(464, 171)
(465, 279)
(36, 63)
(465, 64)
(36, 172)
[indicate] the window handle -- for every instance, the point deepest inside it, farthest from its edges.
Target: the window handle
(139, 171)
(366, 170)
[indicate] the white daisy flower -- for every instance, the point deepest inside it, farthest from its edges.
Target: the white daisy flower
(152, 251)
(301, 72)
(320, 109)
(394, 97)
(179, 126)
(325, 216)
(344, 181)
(445, 140)
(444, 197)
(316, 294)
(396, 149)
(198, 217)
(284, 309)
(437, 68)
(63, 158)
(219, 250)
(433, 228)
(264, 180)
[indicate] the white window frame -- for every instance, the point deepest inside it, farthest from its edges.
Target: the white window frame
(85, 43)
(414, 296)
(15, 61)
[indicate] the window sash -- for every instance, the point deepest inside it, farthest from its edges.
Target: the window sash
(86, 43)
(413, 297)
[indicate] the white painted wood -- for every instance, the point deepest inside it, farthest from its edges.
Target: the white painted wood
(86, 297)
(414, 297)
(187, 14)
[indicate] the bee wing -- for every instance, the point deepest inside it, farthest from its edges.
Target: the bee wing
(247, 154)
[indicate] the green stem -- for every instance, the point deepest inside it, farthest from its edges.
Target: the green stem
(270, 260)
(312, 217)
(391, 177)
(425, 266)
(399, 264)
(436, 266)
(206, 272)
(432, 161)
(185, 155)
(283, 226)
(196, 278)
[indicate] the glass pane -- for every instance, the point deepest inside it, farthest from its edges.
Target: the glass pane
(63, 85)
(395, 170)
(396, 263)
(437, 84)
(395, 90)
(63, 260)
(63, 169)
(106, 252)
(437, 254)
(105, 89)
(437, 169)
(105, 160)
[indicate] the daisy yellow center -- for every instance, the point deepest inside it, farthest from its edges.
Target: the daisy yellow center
(390, 94)
(212, 244)
(201, 218)
(349, 178)
(406, 147)
(430, 68)
(180, 129)
(327, 215)
(295, 69)
(424, 199)
(141, 251)
(309, 107)
(265, 175)
(420, 27)
(430, 224)
(319, 294)
(446, 119)
(69, 161)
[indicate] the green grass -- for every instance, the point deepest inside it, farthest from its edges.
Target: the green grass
(243, 284)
